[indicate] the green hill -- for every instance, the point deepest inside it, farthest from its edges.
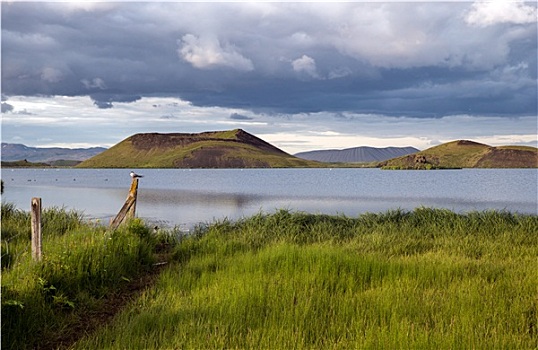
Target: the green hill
(466, 154)
(219, 149)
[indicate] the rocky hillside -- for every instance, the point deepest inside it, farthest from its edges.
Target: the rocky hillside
(219, 149)
(467, 154)
(15, 152)
(357, 154)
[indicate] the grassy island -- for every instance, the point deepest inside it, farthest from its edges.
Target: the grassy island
(423, 279)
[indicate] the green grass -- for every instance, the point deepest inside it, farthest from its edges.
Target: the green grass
(82, 263)
(16, 230)
(422, 279)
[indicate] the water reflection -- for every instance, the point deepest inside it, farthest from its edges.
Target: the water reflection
(187, 208)
(183, 197)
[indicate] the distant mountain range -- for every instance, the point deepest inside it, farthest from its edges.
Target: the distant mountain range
(356, 154)
(16, 151)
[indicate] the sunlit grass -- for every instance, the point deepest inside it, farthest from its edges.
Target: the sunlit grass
(422, 279)
(81, 263)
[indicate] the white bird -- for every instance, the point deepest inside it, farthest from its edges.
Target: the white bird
(134, 175)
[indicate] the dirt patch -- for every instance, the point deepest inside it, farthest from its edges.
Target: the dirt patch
(508, 158)
(156, 140)
(469, 143)
(250, 139)
(213, 157)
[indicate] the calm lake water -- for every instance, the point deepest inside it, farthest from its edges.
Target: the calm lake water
(184, 198)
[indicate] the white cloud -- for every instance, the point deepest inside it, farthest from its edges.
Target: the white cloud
(86, 6)
(339, 72)
(489, 13)
(503, 140)
(307, 65)
(206, 52)
(302, 39)
(94, 83)
(313, 141)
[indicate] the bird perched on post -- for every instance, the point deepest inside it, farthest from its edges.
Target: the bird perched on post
(134, 175)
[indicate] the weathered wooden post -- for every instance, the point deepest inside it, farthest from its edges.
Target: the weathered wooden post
(133, 193)
(129, 207)
(37, 238)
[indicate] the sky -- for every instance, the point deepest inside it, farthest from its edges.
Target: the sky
(303, 76)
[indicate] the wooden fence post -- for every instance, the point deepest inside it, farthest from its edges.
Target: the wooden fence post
(133, 193)
(129, 207)
(37, 238)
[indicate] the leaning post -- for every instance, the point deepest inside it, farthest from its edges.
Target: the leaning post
(129, 207)
(37, 238)
(133, 193)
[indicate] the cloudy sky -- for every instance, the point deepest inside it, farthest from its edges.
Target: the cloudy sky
(302, 76)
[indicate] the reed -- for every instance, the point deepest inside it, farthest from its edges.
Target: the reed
(422, 279)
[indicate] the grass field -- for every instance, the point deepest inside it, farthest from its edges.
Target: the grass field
(82, 264)
(427, 279)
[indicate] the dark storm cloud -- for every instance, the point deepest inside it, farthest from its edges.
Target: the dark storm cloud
(6, 107)
(237, 116)
(104, 100)
(420, 59)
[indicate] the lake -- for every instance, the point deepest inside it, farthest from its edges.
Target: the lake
(186, 197)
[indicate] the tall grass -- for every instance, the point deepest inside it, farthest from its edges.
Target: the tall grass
(422, 279)
(81, 263)
(16, 228)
